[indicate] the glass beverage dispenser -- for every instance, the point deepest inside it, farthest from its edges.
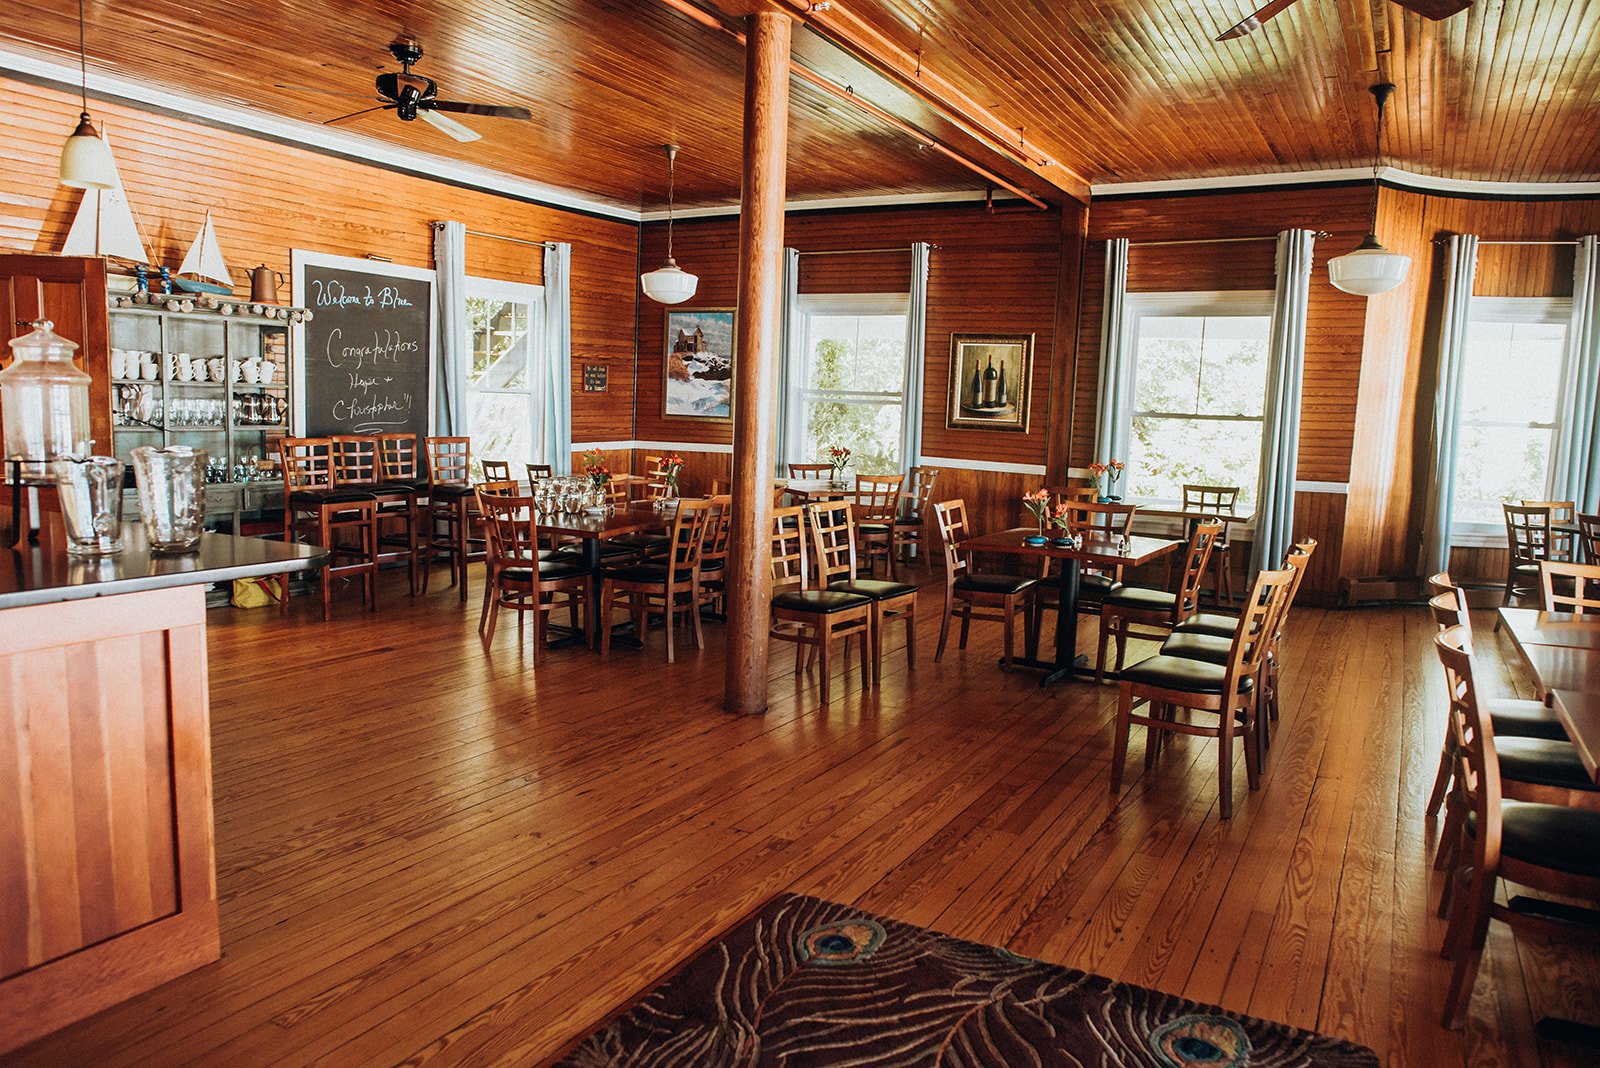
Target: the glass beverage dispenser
(44, 404)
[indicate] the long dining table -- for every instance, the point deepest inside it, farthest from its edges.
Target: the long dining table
(1097, 550)
(1562, 653)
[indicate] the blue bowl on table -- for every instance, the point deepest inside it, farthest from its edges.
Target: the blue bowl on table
(1035, 539)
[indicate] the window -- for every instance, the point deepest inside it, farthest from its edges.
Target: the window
(504, 320)
(1200, 383)
(1510, 382)
(849, 375)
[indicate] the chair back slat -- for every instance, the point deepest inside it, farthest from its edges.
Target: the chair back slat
(1472, 742)
(535, 472)
(789, 563)
(833, 538)
(1527, 533)
(688, 536)
(1258, 625)
(719, 528)
(1090, 517)
(355, 459)
(1589, 535)
(498, 488)
(449, 461)
(496, 470)
(397, 457)
(952, 519)
(512, 527)
(918, 493)
(1210, 500)
(809, 472)
(306, 463)
(1195, 557)
(877, 498)
(1298, 560)
(1579, 588)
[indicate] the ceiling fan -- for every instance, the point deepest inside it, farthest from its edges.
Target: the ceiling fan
(1428, 9)
(411, 96)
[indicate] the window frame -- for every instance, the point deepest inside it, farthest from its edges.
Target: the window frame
(1555, 311)
(858, 304)
(526, 293)
(1214, 304)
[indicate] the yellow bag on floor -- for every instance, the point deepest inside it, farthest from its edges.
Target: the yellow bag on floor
(257, 592)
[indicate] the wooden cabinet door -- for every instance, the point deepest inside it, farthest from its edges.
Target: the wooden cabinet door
(70, 291)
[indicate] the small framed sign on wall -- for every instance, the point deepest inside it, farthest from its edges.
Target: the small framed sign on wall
(990, 379)
(594, 378)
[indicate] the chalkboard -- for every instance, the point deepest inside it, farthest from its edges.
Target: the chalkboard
(367, 352)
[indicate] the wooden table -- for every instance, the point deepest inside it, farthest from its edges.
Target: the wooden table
(636, 517)
(1579, 713)
(1562, 653)
(1529, 626)
(1098, 550)
(810, 490)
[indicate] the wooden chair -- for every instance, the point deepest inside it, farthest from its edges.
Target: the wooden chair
(972, 590)
(452, 520)
(319, 511)
(400, 462)
(1086, 517)
(1222, 502)
(536, 472)
(911, 525)
(1589, 537)
(1562, 544)
(877, 509)
(1528, 542)
(519, 576)
(714, 555)
(356, 464)
(1231, 692)
(812, 619)
(810, 472)
(673, 583)
(496, 471)
(1547, 848)
(833, 530)
(1125, 607)
(655, 474)
(1578, 590)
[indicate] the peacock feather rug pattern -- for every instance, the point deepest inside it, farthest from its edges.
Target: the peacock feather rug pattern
(809, 982)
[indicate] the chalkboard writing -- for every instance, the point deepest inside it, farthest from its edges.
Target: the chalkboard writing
(368, 349)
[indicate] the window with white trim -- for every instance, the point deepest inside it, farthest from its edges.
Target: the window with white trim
(847, 381)
(1511, 374)
(504, 321)
(1199, 391)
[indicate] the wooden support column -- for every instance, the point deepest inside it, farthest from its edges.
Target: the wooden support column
(1063, 399)
(759, 348)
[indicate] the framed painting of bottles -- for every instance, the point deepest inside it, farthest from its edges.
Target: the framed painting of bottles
(991, 378)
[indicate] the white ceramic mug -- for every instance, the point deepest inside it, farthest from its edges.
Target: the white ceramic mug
(269, 371)
(219, 368)
(252, 370)
(119, 363)
(149, 367)
(197, 370)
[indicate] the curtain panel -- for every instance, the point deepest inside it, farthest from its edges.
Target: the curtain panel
(1112, 418)
(916, 356)
(1280, 426)
(1461, 267)
(788, 361)
(455, 340)
(1575, 474)
(553, 362)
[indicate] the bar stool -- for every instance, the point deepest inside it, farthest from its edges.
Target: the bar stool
(356, 465)
(451, 509)
(317, 510)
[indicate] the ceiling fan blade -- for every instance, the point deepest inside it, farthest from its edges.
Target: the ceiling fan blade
(342, 119)
(325, 92)
(1253, 23)
(446, 124)
(1435, 9)
(494, 111)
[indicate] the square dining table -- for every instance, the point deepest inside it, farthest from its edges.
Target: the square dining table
(1097, 550)
(633, 517)
(1562, 653)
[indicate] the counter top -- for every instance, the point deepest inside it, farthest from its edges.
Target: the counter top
(33, 576)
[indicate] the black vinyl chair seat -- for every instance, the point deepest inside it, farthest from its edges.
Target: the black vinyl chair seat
(1513, 718)
(713, 567)
(449, 490)
(874, 589)
(643, 542)
(1551, 836)
(1211, 648)
(1143, 598)
(1542, 762)
(549, 570)
(910, 519)
(316, 498)
(646, 573)
(872, 528)
(820, 601)
(1002, 584)
(399, 486)
(1179, 673)
(1095, 586)
(1217, 623)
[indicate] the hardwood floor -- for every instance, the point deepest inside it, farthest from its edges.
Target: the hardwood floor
(432, 855)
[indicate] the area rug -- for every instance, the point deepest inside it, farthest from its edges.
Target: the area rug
(810, 982)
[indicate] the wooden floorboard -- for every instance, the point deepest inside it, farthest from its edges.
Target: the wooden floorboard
(429, 853)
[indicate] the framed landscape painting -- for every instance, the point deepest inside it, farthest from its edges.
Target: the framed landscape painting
(698, 365)
(990, 379)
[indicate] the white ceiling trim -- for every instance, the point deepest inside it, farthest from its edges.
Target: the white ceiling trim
(1427, 183)
(882, 200)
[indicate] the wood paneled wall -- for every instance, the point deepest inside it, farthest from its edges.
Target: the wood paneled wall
(267, 198)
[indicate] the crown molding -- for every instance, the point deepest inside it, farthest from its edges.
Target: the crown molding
(882, 200)
(1393, 176)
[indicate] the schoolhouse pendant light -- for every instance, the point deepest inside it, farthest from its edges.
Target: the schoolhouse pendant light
(86, 161)
(1371, 269)
(669, 283)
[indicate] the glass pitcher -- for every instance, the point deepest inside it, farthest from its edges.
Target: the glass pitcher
(172, 495)
(91, 504)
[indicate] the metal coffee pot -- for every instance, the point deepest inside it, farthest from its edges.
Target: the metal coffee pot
(264, 283)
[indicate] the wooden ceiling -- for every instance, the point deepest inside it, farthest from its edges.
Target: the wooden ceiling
(1126, 91)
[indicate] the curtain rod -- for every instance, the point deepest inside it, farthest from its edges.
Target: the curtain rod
(1481, 243)
(1212, 240)
(503, 237)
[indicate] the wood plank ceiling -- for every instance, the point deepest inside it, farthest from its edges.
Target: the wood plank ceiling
(1135, 90)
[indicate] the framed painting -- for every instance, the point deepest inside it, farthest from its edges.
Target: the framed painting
(697, 365)
(991, 376)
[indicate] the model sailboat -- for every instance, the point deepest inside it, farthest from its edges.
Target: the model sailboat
(203, 270)
(104, 226)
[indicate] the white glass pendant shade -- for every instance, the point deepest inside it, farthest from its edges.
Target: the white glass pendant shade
(1368, 270)
(669, 284)
(86, 161)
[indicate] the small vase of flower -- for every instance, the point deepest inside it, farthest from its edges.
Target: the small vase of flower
(1106, 474)
(1061, 519)
(839, 458)
(671, 467)
(1038, 504)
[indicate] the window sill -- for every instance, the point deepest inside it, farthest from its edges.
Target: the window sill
(1478, 536)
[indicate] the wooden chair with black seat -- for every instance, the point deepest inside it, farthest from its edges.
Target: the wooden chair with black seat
(1563, 546)
(496, 470)
(319, 511)
(522, 577)
(1222, 502)
(714, 556)
(356, 465)
(1159, 612)
(1568, 587)
(1527, 543)
(1231, 692)
(877, 507)
(833, 539)
(911, 525)
(453, 528)
(1541, 847)
(1086, 517)
(671, 584)
(966, 589)
(810, 618)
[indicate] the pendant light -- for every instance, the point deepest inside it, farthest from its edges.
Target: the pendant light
(86, 161)
(1371, 269)
(669, 283)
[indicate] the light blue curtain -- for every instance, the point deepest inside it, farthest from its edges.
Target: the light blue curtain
(916, 355)
(553, 367)
(793, 324)
(1461, 267)
(455, 341)
(1116, 363)
(1280, 423)
(1575, 475)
